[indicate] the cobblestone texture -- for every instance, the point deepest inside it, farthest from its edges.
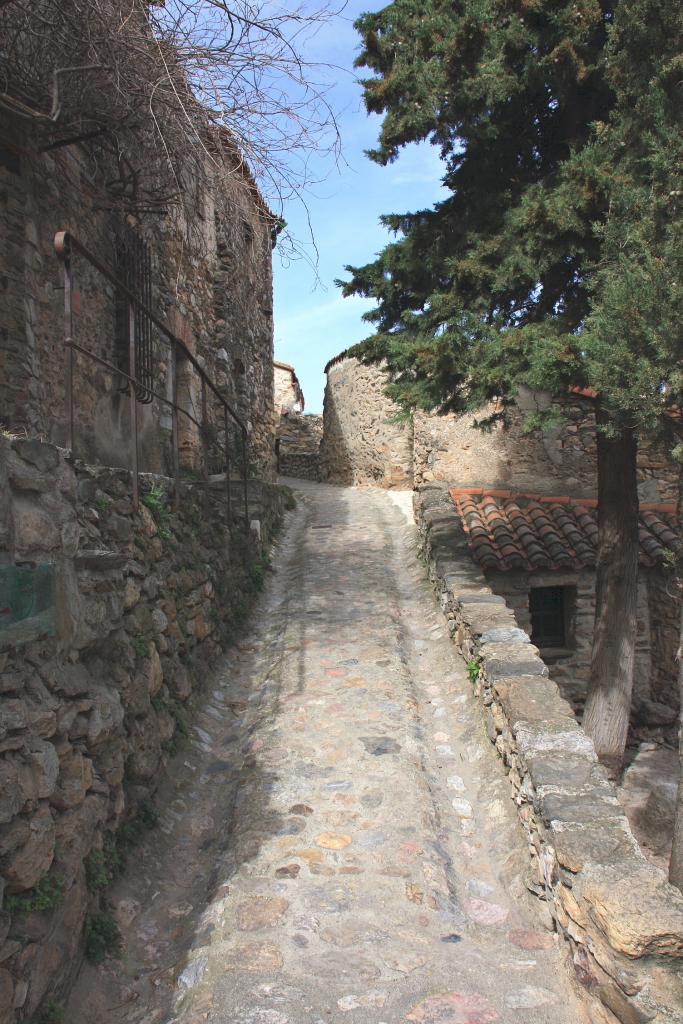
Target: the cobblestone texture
(339, 844)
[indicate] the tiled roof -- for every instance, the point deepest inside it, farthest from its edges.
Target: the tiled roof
(525, 531)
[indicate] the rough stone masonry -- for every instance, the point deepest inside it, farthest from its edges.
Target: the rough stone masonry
(98, 677)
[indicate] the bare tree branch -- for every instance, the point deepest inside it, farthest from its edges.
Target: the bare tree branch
(172, 91)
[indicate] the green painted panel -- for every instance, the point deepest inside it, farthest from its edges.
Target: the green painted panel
(27, 601)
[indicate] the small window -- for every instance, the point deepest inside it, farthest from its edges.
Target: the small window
(551, 611)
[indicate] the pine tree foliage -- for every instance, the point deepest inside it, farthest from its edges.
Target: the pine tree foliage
(557, 126)
(633, 336)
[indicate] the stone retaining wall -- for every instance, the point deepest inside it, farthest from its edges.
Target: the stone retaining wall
(362, 441)
(299, 439)
(98, 672)
(621, 918)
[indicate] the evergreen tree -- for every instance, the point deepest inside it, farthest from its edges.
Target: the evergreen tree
(633, 335)
(521, 275)
(507, 91)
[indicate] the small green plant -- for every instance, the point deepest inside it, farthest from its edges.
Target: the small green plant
(97, 876)
(158, 702)
(180, 720)
(50, 1013)
(288, 494)
(102, 937)
(102, 504)
(132, 831)
(44, 896)
(140, 646)
(257, 571)
(157, 502)
(473, 671)
(147, 814)
(102, 867)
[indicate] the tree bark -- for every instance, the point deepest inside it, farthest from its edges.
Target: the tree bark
(676, 862)
(608, 705)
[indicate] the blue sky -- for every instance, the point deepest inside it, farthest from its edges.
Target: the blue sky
(312, 320)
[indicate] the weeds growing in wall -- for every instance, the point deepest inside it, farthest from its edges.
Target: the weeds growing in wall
(46, 895)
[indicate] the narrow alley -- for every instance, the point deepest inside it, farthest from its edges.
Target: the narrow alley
(338, 843)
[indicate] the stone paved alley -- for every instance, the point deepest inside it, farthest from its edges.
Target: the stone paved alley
(340, 845)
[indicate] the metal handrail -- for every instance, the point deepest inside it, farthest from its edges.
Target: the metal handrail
(66, 244)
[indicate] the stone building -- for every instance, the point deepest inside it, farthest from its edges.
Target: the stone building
(298, 435)
(288, 396)
(206, 271)
(527, 504)
(112, 615)
(363, 440)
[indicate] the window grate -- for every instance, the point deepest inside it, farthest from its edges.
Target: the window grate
(133, 265)
(549, 608)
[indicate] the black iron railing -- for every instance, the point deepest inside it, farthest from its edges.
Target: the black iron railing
(139, 314)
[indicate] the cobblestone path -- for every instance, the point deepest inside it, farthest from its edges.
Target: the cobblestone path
(340, 845)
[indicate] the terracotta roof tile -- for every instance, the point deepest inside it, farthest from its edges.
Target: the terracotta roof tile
(528, 531)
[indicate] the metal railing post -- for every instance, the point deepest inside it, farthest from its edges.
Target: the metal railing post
(245, 473)
(133, 405)
(175, 435)
(228, 496)
(69, 353)
(205, 445)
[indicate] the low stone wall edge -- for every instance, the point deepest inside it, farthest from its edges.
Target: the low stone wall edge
(621, 917)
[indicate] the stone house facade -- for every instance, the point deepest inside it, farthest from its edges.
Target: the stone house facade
(298, 435)
(503, 478)
(112, 616)
(209, 280)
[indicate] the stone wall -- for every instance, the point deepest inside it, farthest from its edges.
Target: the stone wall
(99, 665)
(560, 459)
(571, 667)
(621, 918)
(299, 438)
(362, 442)
(286, 389)
(212, 284)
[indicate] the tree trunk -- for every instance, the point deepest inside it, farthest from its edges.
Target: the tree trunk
(676, 863)
(608, 705)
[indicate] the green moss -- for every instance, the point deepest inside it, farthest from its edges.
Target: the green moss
(158, 702)
(132, 831)
(180, 720)
(102, 937)
(50, 1013)
(140, 646)
(102, 867)
(46, 895)
(257, 571)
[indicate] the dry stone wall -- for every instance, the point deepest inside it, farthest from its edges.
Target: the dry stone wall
(299, 438)
(560, 459)
(621, 918)
(362, 442)
(571, 667)
(98, 671)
